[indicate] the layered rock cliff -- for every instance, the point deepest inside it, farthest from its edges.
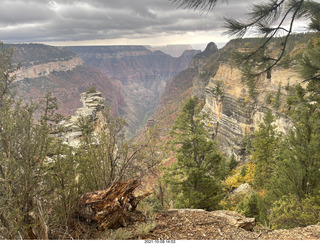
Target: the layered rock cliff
(233, 114)
(64, 74)
(143, 74)
(39, 70)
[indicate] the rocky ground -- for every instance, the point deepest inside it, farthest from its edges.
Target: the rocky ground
(188, 224)
(220, 225)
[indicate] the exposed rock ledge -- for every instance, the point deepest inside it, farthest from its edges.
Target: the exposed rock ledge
(39, 70)
(187, 224)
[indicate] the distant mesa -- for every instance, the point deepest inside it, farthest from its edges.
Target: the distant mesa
(172, 50)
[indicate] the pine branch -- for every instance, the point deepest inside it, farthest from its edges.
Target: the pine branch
(298, 7)
(311, 78)
(235, 27)
(264, 13)
(197, 4)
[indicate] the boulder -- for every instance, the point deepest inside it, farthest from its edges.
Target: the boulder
(236, 219)
(243, 189)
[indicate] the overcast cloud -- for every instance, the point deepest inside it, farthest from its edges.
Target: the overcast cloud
(112, 22)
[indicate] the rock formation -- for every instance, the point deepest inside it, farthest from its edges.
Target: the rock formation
(64, 74)
(44, 69)
(234, 114)
(172, 50)
(143, 75)
(91, 110)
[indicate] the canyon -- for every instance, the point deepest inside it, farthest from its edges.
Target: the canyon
(62, 73)
(233, 115)
(142, 73)
(130, 78)
(140, 84)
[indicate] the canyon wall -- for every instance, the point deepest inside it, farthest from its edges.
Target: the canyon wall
(143, 74)
(64, 74)
(234, 115)
(38, 70)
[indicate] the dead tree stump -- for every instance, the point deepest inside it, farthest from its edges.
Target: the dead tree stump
(114, 207)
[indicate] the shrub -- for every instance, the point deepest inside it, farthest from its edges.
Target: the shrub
(92, 89)
(145, 228)
(290, 212)
(253, 206)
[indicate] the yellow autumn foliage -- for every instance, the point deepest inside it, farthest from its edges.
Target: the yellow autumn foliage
(236, 178)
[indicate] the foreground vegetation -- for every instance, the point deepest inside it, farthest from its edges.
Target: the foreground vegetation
(41, 178)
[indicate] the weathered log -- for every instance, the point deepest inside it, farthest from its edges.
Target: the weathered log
(114, 207)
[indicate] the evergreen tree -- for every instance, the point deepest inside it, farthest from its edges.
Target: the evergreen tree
(253, 206)
(264, 146)
(23, 150)
(298, 156)
(195, 176)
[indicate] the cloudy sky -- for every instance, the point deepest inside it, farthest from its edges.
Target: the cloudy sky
(113, 22)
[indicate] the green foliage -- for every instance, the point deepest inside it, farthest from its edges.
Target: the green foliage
(243, 171)
(92, 89)
(264, 145)
(276, 101)
(23, 150)
(62, 187)
(289, 212)
(285, 61)
(106, 156)
(7, 73)
(145, 228)
(219, 89)
(269, 99)
(309, 66)
(195, 177)
(232, 162)
(298, 157)
(253, 206)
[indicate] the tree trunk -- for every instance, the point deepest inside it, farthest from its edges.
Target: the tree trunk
(114, 207)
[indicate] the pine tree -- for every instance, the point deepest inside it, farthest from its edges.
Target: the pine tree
(298, 156)
(264, 146)
(195, 176)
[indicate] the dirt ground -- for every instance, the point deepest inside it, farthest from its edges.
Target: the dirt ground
(202, 225)
(190, 224)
